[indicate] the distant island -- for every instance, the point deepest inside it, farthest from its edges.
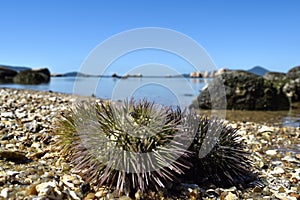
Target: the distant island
(8, 72)
(203, 74)
(258, 70)
(15, 68)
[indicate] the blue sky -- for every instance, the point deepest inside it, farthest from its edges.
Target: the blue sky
(237, 34)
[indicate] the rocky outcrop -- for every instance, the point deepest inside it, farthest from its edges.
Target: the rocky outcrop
(294, 73)
(243, 91)
(289, 83)
(292, 84)
(7, 75)
(221, 71)
(275, 76)
(23, 75)
(292, 89)
(195, 75)
(36, 76)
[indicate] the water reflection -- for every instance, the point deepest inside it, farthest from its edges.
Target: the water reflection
(278, 118)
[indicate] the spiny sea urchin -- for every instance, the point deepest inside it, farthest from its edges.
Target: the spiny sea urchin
(220, 157)
(142, 145)
(127, 146)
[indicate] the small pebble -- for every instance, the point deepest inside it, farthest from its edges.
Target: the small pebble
(277, 170)
(31, 190)
(85, 188)
(4, 193)
(257, 189)
(231, 196)
(89, 196)
(271, 152)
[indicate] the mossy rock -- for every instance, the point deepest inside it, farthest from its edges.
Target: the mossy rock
(275, 76)
(243, 91)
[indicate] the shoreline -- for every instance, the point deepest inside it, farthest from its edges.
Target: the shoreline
(290, 118)
(26, 131)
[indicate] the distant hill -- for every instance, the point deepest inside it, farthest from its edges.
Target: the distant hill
(258, 70)
(72, 74)
(15, 68)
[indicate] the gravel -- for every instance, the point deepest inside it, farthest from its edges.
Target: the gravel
(31, 166)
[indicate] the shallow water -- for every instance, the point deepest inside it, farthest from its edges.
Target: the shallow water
(278, 118)
(167, 91)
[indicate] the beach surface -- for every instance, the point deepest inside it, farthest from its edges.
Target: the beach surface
(31, 166)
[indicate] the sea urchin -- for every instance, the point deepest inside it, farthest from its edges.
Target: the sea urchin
(134, 146)
(220, 156)
(128, 146)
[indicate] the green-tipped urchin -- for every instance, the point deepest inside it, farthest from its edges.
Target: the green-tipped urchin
(220, 156)
(127, 146)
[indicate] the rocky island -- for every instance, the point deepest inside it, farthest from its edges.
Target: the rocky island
(23, 75)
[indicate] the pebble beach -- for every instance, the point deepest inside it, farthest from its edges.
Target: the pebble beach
(31, 166)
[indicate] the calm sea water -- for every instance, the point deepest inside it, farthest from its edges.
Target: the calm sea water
(166, 91)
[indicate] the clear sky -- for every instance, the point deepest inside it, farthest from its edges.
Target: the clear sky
(237, 34)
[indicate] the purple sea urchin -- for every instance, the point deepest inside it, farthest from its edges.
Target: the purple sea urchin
(220, 157)
(127, 146)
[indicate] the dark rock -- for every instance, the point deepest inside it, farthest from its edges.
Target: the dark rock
(116, 76)
(85, 188)
(294, 73)
(275, 76)
(243, 91)
(7, 137)
(36, 76)
(15, 156)
(2, 126)
(7, 75)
